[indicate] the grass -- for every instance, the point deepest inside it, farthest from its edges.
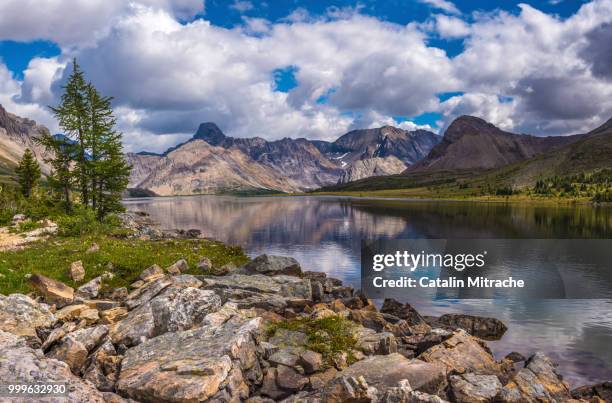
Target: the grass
(326, 336)
(129, 257)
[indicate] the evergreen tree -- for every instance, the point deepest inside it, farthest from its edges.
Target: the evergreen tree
(71, 115)
(62, 151)
(28, 173)
(109, 172)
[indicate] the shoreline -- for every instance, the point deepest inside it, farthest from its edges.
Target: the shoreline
(274, 302)
(349, 195)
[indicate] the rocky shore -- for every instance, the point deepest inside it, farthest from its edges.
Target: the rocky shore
(263, 332)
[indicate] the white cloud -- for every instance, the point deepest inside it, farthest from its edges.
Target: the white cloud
(242, 6)
(451, 27)
(76, 22)
(443, 5)
(528, 72)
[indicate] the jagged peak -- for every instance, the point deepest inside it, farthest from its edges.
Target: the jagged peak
(210, 133)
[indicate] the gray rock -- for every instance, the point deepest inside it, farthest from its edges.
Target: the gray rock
(205, 265)
(386, 371)
(270, 388)
(76, 346)
(53, 291)
(77, 271)
(178, 267)
(289, 379)
(473, 388)
(371, 342)
(191, 365)
(349, 389)
(311, 361)
(147, 292)
(463, 353)
(172, 310)
(21, 315)
(23, 365)
(402, 311)
(272, 266)
(91, 289)
(537, 382)
(284, 356)
(152, 273)
(482, 327)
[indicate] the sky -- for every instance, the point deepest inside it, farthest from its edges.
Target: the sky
(312, 68)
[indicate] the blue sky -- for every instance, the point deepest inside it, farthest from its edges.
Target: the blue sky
(315, 69)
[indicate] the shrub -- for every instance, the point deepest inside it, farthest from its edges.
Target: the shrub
(82, 221)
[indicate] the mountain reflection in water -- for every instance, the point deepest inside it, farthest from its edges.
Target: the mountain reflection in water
(325, 233)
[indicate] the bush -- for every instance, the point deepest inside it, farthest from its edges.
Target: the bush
(82, 221)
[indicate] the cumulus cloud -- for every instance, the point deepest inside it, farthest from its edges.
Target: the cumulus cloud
(527, 71)
(443, 5)
(451, 27)
(77, 22)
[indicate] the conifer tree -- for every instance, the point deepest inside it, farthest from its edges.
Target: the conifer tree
(62, 151)
(109, 172)
(71, 115)
(28, 173)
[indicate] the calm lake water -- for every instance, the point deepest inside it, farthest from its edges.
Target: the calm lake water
(325, 233)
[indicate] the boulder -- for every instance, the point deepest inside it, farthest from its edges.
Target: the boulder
(91, 289)
(463, 353)
(403, 393)
(402, 311)
(371, 342)
(272, 266)
(191, 365)
(178, 267)
(76, 346)
(205, 265)
(289, 379)
(173, 310)
(385, 371)
(370, 319)
(53, 291)
(601, 391)
(320, 379)
(478, 326)
(77, 312)
(113, 315)
(21, 315)
(24, 365)
(147, 292)
(348, 389)
(77, 271)
(285, 356)
(311, 361)
(285, 338)
(537, 382)
(270, 388)
(473, 388)
(152, 273)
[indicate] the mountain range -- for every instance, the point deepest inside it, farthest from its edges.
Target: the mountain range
(211, 162)
(473, 151)
(470, 151)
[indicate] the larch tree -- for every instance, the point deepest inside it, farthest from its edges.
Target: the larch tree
(28, 173)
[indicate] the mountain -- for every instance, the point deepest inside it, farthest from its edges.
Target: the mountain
(17, 134)
(211, 162)
(387, 141)
(470, 143)
(477, 154)
(369, 167)
(588, 152)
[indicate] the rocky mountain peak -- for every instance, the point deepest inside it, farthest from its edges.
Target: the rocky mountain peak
(210, 133)
(469, 125)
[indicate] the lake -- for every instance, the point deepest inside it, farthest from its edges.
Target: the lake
(325, 233)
